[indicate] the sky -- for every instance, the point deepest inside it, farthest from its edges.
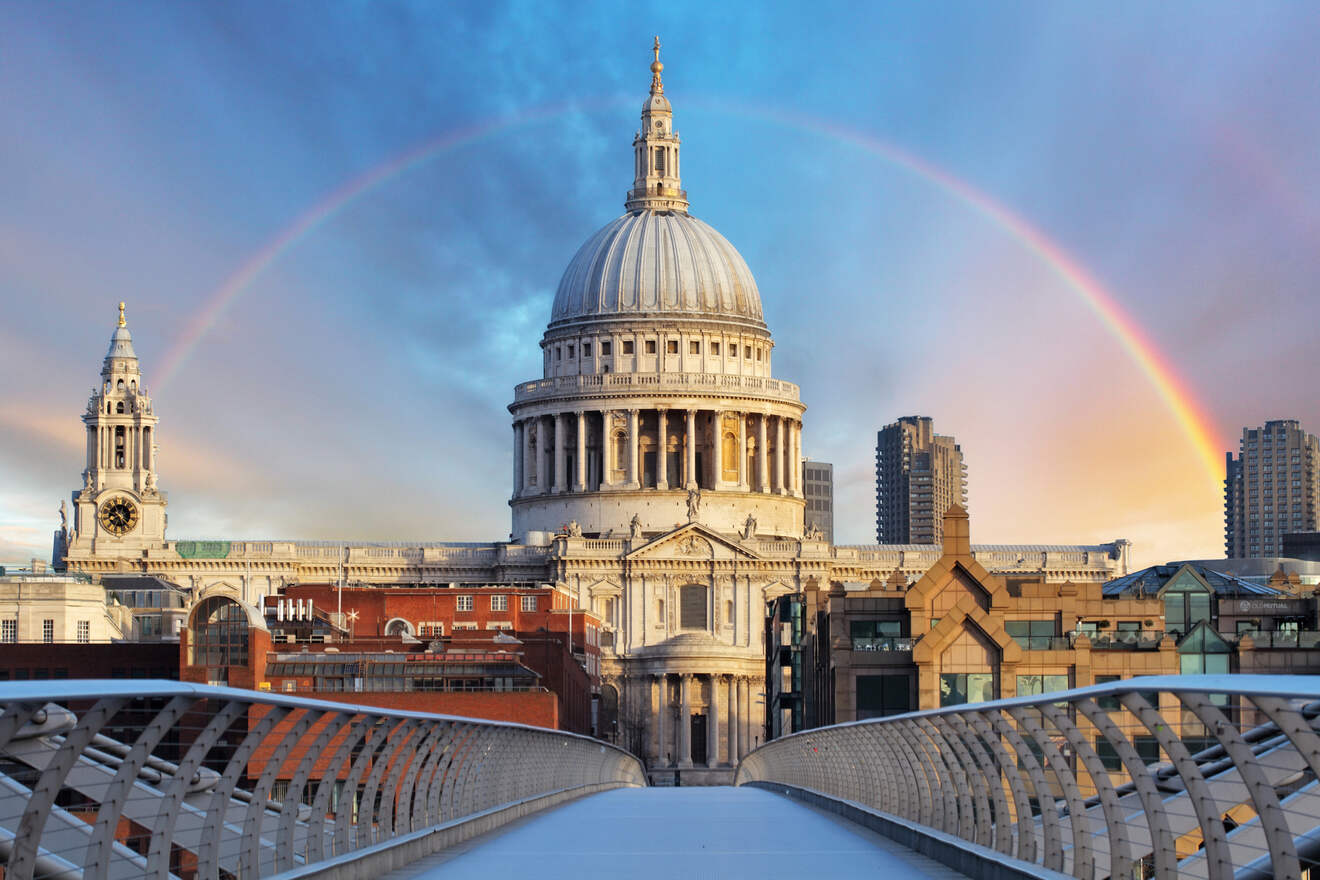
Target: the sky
(1084, 239)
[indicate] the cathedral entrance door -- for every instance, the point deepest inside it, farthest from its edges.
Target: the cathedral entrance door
(698, 739)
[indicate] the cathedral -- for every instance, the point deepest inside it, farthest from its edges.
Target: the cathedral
(657, 471)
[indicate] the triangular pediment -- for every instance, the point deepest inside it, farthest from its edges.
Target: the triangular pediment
(692, 542)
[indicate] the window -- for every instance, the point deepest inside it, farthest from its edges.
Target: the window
(570, 351)
(559, 352)
(714, 348)
(1031, 685)
(48, 631)
(8, 630)
(1033, 635)
(605, 348)
(528, 603)
(747, 352)
(499, 603)
(659, 160)
(85, 631)
(627, 346)
(880, 695)
(758, 354)
(692, 606)
(1185, 605)
(957, 688)
(650, 346)
(694, 347)
(586, 349)
(464, 603)
(875, 635)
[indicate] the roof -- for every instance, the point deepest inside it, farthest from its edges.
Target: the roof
(1149, 581)
(657, 262)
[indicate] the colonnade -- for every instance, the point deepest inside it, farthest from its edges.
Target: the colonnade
(725, 700)
(103, 444)
(589, 451)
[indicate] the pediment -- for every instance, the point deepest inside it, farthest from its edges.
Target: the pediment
(692, 542)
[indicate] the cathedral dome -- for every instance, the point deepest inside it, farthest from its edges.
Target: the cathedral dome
(657, 263)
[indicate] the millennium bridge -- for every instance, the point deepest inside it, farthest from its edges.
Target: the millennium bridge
(1180, 776)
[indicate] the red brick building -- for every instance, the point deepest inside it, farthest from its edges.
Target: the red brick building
(506, 652)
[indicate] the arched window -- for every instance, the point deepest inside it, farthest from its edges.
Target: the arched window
(692, 606)
(119, 447)
(133, 385)
(398, 627)
(119, 407)
(119, 386)
(219, 634)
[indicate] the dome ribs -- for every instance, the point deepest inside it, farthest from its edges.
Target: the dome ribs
(650, 262)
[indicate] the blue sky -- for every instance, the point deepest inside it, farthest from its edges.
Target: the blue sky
(357, 387)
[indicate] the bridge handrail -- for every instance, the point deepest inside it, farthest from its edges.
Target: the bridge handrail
(135, 778)
(1205, 775)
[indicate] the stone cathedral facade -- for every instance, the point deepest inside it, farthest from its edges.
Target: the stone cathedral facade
(657, 480)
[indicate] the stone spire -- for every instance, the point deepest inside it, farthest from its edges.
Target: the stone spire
(656, 183)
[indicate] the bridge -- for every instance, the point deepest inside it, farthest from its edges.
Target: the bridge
(1183, 776)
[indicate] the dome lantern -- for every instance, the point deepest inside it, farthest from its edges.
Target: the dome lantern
(656, 182)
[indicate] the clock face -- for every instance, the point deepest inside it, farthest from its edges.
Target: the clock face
(118, 516)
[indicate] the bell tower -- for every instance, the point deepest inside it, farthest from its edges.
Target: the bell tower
(119, 511)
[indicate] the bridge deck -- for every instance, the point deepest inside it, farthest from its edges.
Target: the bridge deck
(687, 833)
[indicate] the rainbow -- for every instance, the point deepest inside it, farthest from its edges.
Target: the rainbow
(224, 296)
(1177, 395)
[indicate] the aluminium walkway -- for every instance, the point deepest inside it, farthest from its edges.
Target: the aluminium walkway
(687, 833)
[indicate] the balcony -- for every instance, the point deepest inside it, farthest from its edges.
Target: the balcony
(618, 384)
(1142, 640)
(884, 643)
(1284, 639)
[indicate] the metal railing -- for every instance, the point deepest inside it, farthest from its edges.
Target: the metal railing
(1195, 776)
(105, 779)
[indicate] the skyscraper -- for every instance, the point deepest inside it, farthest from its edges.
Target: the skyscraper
(919, 475)
(1270, 488)
(818, 490)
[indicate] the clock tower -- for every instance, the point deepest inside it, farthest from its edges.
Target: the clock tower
(118, 513)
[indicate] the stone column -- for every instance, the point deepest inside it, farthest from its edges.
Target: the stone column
(528, 434)
(580, 483)
(763, 457)
(717, 432)
(662, 451)
(517, 458)
(713, 723)
(634, 472)
(743, 477)
(797, 458)
(743, 711)
(730, 685)
(685, 720)
(658, 683)
(561, 450)
(779, 455)
(690, 453)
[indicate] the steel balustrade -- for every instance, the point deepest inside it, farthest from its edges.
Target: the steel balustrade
(1166, 776)
(107, 780)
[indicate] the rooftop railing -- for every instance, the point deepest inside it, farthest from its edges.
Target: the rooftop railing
(1166, 776)
(164, 779)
